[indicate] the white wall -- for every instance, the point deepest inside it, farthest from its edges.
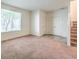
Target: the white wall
(59, 22)
(73, 10)
(49, 23)
(35, 26)
(38, 22)
(43, 22)
(55, 22)
(25, 25)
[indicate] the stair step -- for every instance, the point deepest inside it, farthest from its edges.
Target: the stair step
(73, 29)
(74, 25)
(74, 43)
(73, 32)
(74, 40)
(74, 21)
(73, 37)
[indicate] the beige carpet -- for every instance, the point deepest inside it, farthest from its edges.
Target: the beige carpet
(31, 47)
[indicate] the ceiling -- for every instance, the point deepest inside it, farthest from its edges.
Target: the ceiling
(46, 5)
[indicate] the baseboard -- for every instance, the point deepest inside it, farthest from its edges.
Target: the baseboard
(19, 37)
(60, 36)
(16, 37)
(46, 34)
(55, 35)
(32, 35)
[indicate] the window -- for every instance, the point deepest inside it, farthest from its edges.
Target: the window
(10, 20)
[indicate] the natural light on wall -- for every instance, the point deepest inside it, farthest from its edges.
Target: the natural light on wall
(10, 21)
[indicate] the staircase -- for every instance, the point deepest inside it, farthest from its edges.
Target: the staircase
(74, 33)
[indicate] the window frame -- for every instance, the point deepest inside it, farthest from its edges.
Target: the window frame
(17, 30)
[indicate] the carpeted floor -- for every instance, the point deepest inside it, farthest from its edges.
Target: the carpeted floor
(32, 47)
